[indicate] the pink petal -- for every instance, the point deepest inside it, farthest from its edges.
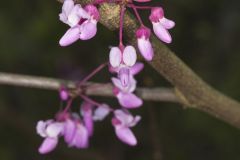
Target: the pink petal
(124, 76)
(145, 48)
(129, 100)
(117, 83)
(67, 6)
(136, 68)
(101, 112)
(132, 84)
(48, 145)
(71, 36)
(74, 17)
(126, 135)
(168, 24)
(129, 56)
(86, 110)
(88, 30)
(69, 130)
(126, 118)
(54, 130)
(41, 128)
(161, 32)
(80, 139)
(115, 57)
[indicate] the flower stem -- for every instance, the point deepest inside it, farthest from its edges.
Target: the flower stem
(121, 27)
(138, 16)
(95, 71)
(69, 103)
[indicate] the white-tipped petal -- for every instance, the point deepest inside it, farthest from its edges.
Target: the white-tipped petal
(161, 32)
(145, 48)
(168, 24)
(129, 56)
(71, 36)
(115, 56)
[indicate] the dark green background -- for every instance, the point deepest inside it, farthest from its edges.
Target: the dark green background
(206, 37)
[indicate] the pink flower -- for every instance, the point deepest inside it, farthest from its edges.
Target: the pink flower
(161, 25)
(82, 22)
(124, 94)
(144, 45)
(75, 134)
(50, 130)
(122, 122)
(121, 61)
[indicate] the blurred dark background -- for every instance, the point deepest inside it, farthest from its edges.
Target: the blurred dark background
(206, 37)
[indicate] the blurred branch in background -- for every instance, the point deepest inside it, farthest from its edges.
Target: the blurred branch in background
(93, 89)
(192, 90)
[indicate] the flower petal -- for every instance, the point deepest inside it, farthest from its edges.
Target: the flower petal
(53, 130)
(41, 128)
(145, 48)
(71, 36)
(86, 110)
(88, 30)
(129, 100)
(48, 145)
(115, 57)
(80, 139)
(124, 76)
(161, 32)
(101, 112)
(125, 135)
(135, 69)
(69, 130)
(67, 6)
(74, 17)
(117, 83)
(129, 56)
(168, 24)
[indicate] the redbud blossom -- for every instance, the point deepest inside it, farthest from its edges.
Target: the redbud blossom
(50, 130)
(82, 22)
(161, 25)
(122, 122)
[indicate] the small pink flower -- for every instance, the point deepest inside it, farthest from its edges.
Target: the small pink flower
(144, 45)
(82, 22)
(50, 130)
(161, 25)
(124, 94)
(121, 61)
(122, 122)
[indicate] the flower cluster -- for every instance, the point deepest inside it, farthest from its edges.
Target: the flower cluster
(77, 128)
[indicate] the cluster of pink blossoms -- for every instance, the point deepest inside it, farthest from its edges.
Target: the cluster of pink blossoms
(77, 128)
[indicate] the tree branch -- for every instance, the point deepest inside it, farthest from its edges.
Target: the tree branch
(92, 89)
(194, 92)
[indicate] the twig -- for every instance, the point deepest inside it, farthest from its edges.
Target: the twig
(194, 92)
(93, 89)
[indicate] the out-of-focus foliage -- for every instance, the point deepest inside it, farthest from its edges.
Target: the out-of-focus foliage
(206, 37)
